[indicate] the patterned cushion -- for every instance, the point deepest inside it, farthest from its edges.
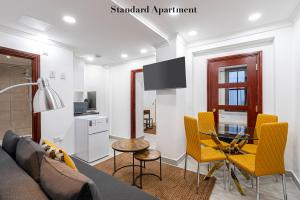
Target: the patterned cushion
(57, 153)
(53, 153)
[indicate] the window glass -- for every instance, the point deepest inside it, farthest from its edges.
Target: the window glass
(233, 74)
(233, 96)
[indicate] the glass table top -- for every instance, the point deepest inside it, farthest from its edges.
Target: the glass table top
(231, 131)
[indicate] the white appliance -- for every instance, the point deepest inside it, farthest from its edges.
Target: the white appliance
(91, 137)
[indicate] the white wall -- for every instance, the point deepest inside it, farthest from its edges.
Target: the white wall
(79, 67)
(170, 134)
(119, 80)
(296, 147)
(59, 60)
(96, 79)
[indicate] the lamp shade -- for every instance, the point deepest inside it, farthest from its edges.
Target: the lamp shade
(45, 98)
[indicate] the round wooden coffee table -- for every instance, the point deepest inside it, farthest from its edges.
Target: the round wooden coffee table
(129, 146)
(146, 156)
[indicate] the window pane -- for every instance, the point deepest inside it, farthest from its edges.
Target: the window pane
(232, 77)
(241, 97)
(233, 74)
(241, 76)
(233, 96)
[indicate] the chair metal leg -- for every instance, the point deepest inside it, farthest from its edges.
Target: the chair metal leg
(208, 167)
(229, 177)
(224, 173)
(185, 164)
(276, 178)
(257, 188)
(198, 178)
(252, 181)
(284, 187)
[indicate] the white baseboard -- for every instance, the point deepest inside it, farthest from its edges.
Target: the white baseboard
(117, 137)
(294, 177)
(174, 162)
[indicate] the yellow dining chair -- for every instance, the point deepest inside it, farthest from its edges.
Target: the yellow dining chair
(269, 158)
(206, 123)
(261, 119)
(194, 149)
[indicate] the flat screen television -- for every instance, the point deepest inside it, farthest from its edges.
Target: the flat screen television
(165, 75)
(91, 96)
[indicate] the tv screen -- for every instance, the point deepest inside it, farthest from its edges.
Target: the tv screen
(91, 96)
(165, 75)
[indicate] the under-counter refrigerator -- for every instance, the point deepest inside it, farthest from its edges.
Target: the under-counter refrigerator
(91, 137)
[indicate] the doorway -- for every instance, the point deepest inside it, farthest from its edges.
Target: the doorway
(19, 67)
(235, 89)
(143, 108)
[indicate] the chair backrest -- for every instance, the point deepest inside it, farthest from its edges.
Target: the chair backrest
(192, 137)
(270, 150)
(262, 119)
(206, 123)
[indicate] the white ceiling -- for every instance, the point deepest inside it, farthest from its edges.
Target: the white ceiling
(98, 31)
(216, 18)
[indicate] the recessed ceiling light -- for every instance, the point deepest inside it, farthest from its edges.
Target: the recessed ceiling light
(192, 33)
(254, 17)
(90, 58)
(143, 51)
(8, 57)
(69, 19)
(124, 55)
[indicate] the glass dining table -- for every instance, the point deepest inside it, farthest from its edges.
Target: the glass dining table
(236, 136)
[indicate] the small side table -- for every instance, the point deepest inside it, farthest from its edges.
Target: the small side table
(133, 146)
(146, 156)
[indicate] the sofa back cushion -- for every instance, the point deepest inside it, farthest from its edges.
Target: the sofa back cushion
(29, 156)
(9, 143)
(60, 182)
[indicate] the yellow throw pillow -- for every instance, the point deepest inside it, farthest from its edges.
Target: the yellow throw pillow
(55, 152)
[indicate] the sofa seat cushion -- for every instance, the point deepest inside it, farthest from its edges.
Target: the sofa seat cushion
(9, 143)
(60, 182)
(29, 156)
(15, 183)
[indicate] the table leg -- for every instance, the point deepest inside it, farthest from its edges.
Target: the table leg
(132, 168)
(237, 183)
(115, 168)
(141, 176)
(213, 169)
(160, 168)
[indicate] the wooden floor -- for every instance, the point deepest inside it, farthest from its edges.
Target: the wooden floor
(151, 130)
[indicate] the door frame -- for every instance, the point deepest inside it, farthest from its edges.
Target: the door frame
(258, 55)
(35, 73)
(133, 102)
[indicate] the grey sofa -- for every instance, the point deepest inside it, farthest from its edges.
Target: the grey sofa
(16, 183)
